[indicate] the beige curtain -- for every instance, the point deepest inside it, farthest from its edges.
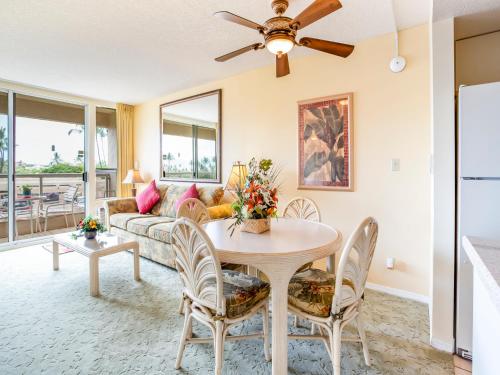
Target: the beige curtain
(125, 134)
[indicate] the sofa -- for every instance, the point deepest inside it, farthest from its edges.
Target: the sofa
(152, 231)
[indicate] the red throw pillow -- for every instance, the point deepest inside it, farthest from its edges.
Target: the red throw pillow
(147, 198)
(192, 192)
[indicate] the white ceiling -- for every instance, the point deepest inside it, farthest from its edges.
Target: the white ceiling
(443, 9)
(130, 51)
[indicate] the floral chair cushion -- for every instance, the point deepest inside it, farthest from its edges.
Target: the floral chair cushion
(312, 292)
(242, 292)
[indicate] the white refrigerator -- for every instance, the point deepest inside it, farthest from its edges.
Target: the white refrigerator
(478, 201)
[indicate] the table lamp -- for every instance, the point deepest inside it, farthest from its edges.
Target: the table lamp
(133, 177)
(237, 177)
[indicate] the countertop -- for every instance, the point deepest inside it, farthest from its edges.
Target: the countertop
(485, 257)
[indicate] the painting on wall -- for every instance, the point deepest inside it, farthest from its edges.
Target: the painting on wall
(325, 143)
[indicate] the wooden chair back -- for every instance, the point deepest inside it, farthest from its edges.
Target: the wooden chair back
(198, 267)
(302, 208)
(355, 261)
(195, 210)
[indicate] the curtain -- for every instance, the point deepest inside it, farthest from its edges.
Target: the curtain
(125, 135)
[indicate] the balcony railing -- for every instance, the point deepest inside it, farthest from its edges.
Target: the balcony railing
(48, 188)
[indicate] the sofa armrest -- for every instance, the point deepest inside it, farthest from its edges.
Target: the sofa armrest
(119, 205)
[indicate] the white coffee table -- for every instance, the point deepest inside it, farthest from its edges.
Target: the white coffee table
(104, 244)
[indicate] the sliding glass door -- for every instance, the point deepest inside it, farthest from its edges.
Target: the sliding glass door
(4, 167)
(49, 163)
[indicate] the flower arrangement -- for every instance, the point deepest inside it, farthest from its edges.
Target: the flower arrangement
(258, 199)
(89, 226)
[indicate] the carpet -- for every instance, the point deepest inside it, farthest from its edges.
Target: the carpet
(133, 328)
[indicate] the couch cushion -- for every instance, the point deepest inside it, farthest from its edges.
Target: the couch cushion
(167, 206)
(141, 225)
(120, 220)
(161, 232)
(312, 292)
(162, 189)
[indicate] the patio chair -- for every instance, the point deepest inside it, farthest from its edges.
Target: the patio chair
(67, 205)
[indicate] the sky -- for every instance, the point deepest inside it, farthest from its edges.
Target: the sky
(34, 140)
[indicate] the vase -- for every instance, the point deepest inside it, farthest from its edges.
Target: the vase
(90, 235)
(256, 225)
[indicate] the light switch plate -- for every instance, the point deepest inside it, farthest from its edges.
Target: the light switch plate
(395, 165)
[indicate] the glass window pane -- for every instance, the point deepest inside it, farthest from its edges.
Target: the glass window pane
(4, 168)
(48, 166)
(106, 153)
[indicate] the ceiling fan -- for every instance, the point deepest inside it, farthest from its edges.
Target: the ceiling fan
(280, 32)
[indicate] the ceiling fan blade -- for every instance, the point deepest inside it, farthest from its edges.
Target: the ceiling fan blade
(282, 66)
(238, 52)
(338, 49)
(315, 11)
(228, 16)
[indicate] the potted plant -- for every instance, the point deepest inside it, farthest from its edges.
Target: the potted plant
(89, 226)
(257, 201)
(26, 189)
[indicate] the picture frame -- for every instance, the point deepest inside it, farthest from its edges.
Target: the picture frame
(325, 128)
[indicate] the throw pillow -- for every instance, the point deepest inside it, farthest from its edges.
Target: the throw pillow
(220, 212)
(192, 192)
(147, 198)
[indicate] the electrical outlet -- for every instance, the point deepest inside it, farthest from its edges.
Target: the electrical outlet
(395, 165)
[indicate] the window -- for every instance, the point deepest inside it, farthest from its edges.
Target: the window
(106, 153)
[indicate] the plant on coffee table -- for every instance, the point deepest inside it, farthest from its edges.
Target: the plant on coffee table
(89, 226)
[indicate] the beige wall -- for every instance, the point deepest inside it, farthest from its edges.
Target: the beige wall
(477, 60)
(391, 120)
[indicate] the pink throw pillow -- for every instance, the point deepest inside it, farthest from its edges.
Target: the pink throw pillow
(147, 198)
(192, 192)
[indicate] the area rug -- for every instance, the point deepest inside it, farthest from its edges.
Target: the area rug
(62, 249)
(134, 327)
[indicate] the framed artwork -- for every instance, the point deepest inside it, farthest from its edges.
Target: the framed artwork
(325, 143)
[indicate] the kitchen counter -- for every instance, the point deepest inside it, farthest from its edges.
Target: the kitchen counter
(485, 258)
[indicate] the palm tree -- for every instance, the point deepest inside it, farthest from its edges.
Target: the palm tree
(101, 133)
(56, 159)
(4, 146)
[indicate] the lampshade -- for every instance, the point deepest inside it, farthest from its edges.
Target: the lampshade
(236, 180)
(133, 177)
(279, 44)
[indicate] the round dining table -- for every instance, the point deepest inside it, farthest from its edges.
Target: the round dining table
(278, 253)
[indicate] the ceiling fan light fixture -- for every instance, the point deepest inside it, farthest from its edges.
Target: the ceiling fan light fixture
(279, 44)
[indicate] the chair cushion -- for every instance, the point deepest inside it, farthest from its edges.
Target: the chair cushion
(120, 220)
(141, 225)
(147, 198)
(312, 292)
(242, 292)
(221, 211)
(161, 232)
(192, 192)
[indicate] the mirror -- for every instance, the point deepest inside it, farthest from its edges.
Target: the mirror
(190, 138)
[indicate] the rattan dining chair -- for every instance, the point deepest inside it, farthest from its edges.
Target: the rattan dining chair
(214, 297)
(332, 301)
(306, 209)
